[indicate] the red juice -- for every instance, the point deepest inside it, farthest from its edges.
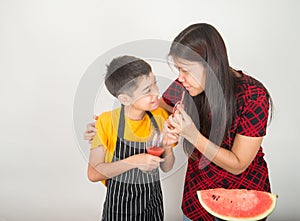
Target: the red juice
(155, 151)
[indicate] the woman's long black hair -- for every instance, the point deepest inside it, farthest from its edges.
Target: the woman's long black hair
(217, 104)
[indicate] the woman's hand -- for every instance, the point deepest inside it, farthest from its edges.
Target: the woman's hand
(182, 124)
(90, 132)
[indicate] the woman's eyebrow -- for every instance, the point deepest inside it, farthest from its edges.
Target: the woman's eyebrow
(181, 67)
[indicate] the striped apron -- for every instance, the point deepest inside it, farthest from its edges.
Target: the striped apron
(133, 195)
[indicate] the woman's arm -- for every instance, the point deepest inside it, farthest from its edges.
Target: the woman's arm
(90, 132)
(98, 170)
(237, 159)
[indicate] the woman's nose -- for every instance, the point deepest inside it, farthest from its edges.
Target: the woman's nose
(181, 77)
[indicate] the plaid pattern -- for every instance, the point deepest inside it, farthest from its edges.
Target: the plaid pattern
(173, 93)
(250, 120)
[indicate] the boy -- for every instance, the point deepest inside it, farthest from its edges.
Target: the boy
(118, 156)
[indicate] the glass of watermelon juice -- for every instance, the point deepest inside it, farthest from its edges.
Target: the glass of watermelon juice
(155, 144)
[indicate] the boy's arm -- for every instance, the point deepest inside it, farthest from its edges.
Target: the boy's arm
(169, 158)
(98, 170)
(170, 140)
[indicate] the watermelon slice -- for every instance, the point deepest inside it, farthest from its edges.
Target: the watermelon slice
(237, 204)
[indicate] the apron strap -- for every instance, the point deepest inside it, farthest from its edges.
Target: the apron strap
(153, 121)
(122, 122)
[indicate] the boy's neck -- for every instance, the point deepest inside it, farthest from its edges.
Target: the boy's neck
(134, 114)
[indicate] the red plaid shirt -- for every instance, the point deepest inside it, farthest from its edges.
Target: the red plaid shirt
(250, 120)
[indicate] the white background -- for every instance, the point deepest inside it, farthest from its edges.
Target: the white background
(46, 47)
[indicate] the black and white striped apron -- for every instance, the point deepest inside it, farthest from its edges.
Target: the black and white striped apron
(133, 195)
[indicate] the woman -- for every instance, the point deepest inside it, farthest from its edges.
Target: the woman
(225, 124)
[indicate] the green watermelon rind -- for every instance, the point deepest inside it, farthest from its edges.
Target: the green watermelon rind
(258, 217)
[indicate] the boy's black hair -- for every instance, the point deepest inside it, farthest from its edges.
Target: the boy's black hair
(123, 72)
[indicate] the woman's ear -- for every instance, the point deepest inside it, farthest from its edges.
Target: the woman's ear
(124, 99)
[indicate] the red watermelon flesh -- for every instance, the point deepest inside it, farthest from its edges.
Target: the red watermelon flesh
(237, 204)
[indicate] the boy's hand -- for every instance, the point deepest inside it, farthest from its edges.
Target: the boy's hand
(172, 134)
(90, 132)
(145, 162)
(170, 137)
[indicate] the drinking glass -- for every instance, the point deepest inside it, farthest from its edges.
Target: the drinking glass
(155, 143)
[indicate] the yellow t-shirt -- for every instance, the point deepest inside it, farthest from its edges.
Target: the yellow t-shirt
(135, 130)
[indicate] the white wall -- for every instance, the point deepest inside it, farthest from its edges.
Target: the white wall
(47, 46)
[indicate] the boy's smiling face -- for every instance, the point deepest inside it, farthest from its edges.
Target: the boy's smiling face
(145, 96)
